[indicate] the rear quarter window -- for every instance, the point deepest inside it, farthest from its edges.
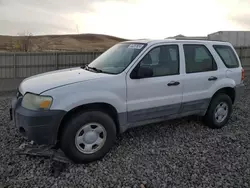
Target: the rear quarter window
(227, 55)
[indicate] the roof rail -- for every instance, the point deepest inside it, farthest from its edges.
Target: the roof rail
(205, 39)
(190, 38)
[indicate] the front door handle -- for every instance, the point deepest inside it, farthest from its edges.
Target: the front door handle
(173, 83)
(212, 78)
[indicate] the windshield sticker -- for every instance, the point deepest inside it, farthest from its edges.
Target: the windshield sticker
(135, 46)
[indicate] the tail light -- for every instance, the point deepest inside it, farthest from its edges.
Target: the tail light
(242, 74)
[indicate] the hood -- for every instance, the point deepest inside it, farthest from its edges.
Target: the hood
(46, 81)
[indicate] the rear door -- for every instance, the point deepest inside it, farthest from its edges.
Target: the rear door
(201, 73)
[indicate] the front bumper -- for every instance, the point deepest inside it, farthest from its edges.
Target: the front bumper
(38, 126)
(239, 91)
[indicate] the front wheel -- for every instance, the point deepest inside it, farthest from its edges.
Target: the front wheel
(219, 111)
(88, 137)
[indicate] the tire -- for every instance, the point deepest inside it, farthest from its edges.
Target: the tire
(220, 101)
(70, 145)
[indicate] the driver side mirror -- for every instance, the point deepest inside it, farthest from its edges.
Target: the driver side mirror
(145, 72)
(142, 72)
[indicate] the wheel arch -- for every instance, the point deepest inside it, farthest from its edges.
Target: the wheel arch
(230, 91)
(103, 107)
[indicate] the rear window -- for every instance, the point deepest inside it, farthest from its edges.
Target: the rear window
(227, 55)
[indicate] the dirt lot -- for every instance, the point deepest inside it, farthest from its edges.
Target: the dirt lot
(180, 153)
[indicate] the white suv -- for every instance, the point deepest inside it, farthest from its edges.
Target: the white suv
(133, 83)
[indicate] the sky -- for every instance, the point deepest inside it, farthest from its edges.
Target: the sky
(130, 19)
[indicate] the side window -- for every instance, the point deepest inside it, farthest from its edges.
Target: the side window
(227, 55)
(163, 60)
(198, 58)
(155, 55)
(174, 54)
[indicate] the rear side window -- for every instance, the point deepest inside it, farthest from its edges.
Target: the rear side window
(198, 58)
(227, 55)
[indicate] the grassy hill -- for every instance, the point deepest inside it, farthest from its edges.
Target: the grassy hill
(81, 42)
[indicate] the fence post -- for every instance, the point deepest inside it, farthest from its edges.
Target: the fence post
(56, 60)
(14, 64)
(240, 54)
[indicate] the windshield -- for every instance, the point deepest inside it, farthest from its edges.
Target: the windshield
(117, 58)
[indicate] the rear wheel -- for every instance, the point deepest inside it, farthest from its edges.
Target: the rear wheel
(219, 111)
(88, 137)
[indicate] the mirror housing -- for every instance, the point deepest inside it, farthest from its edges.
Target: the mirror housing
(144, 72)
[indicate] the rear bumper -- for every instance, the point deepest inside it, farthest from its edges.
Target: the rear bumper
(239, 91)
(39, 126)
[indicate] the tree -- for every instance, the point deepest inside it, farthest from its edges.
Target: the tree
(25, 41)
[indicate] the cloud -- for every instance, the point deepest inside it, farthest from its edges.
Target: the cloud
(21, 16)
(237, 11)
(45, 16)
(15, 27)
(124, 18)
(59, 6)
(243, 21)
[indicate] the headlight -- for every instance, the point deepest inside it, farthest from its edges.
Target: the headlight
(36, 102)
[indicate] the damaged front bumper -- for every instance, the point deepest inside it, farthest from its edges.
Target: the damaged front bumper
(43, 151)
(38, 126)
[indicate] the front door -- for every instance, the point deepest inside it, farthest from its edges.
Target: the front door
(160, 95)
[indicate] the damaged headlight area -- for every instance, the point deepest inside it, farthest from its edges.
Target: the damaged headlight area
(36, 102)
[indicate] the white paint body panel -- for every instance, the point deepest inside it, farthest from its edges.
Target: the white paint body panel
(198, 87)
(153, 92)
(110, 90)
(41, 82)
(71, 88)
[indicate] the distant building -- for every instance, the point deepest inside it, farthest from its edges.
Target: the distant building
(236, 38)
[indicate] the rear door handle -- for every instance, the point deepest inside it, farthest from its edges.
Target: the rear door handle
(173, 83)
(212, 78)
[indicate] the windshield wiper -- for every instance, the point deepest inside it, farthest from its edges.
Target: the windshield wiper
(92, 68)
(95, 69)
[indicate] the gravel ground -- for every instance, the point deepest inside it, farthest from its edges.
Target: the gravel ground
(179, 153)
